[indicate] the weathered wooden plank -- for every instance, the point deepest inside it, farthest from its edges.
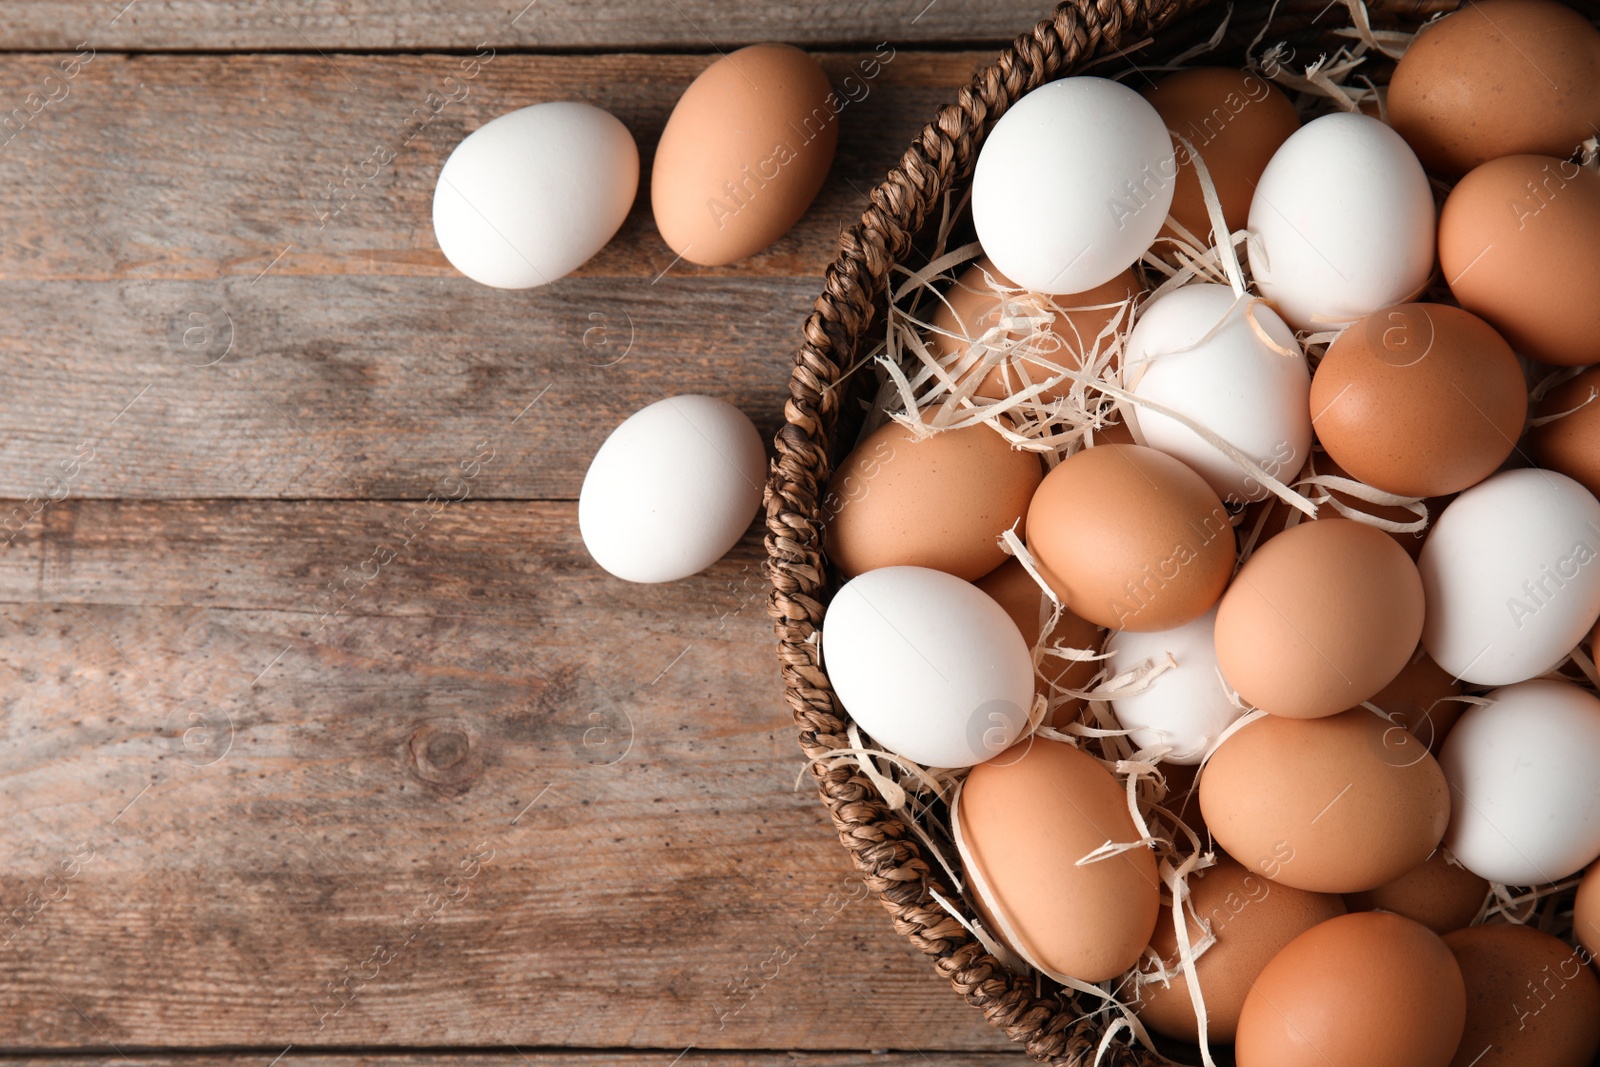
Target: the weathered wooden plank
(488, 795)
(205, 167)
(362, 387)
(163, 216)
(413, 25)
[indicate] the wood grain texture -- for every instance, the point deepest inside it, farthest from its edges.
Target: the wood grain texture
(481, 793)
(155, 167)
(364, 387)
(414, 25)
(160, 231)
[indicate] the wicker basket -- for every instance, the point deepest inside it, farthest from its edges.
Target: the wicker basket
(823, 415)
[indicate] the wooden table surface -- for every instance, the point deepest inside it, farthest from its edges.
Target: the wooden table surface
(324, 741)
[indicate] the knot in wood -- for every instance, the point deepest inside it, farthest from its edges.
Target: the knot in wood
(443, 753)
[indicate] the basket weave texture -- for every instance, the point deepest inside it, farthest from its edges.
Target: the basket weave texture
(823, 408)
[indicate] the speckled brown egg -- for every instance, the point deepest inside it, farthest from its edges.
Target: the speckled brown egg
(1252, 920)
(1441, 895)
(941, 502)
(1131, 538)
(1519, 245)
(1586, 911)
(971, 307)
(1027, 816)
(1368, 989)
(1320, 618)
(1498, 78)
(1571, 444)
(1531, 1001)
(1014, 589)
(1335, 805)
(1235, 120)
(1419, 399)
(1419, 699)
(744, 153)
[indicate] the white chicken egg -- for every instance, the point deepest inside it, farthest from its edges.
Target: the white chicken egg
(1524, 796)
(1185, 705)
(1072, 185)
(1195, 352)
(672, 489)
(532, 195)
(929, 665)
(1511, 576)
(1341, 223)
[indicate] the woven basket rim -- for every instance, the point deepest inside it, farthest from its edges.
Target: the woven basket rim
(854, 285)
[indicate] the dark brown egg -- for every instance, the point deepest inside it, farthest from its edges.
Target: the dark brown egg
(1498, 78)
(1183, 797)
(1571, 444)
(1235, 120)
(1519, 245)
(1419, 699)
(1419, 399)
(1440, 895)
(1531, 1001)
(1586, 911)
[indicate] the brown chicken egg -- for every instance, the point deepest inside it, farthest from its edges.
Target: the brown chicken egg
(1131, 538)
(972, 307)
(1441, 895)
(1026, 817)
(1368, 989)
(1571, 444)
(1014, 589)
(1319, 618)
(1531, 1001)
(1519, 245)
(1419, 399)
(1498, 78)
(1251, 919)
(941, 502)
(744, 153)
(1419, 700)
(1341, 804)
(1586, 911)
(1236, 120)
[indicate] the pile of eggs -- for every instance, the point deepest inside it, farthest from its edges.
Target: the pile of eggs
(1372, 728)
